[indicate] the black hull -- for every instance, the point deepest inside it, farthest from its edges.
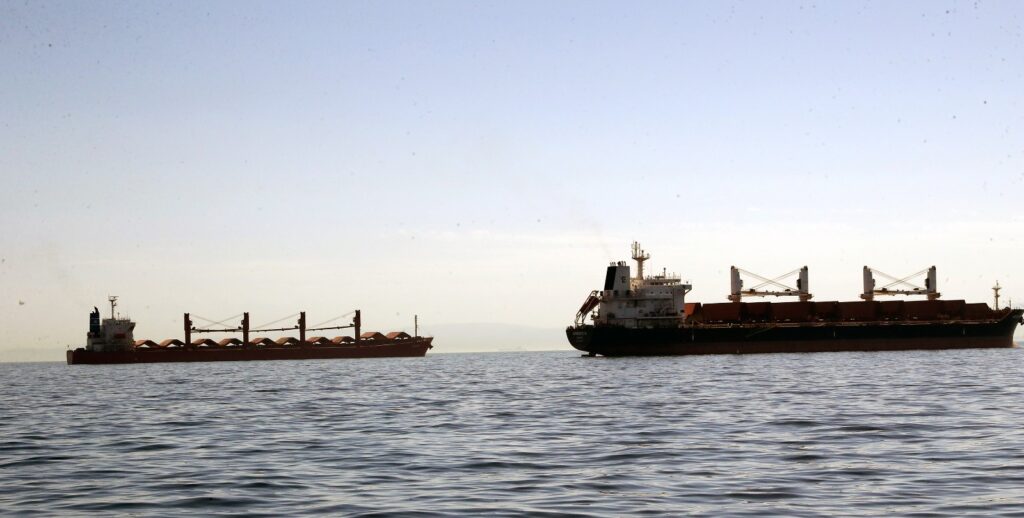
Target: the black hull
(795, 338)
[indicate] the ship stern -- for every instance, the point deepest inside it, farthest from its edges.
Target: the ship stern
(580, 337)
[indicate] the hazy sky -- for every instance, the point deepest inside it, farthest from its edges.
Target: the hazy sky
(481, 162)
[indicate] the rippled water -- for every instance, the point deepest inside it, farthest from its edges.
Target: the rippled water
(936, 433)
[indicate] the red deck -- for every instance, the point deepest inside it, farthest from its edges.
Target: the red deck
(832, 311)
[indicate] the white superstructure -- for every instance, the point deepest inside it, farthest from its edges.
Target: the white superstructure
(638, 302)
(114, 334)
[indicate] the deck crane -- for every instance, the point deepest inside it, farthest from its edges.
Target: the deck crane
(900, 286)
(778, 288)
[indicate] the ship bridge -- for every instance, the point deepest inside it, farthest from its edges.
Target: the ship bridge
(642, 301)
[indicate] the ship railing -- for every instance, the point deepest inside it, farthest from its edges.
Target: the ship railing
(663, 277)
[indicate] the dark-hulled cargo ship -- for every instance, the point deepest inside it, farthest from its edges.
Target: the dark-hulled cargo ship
(648, 316)
(111, 341)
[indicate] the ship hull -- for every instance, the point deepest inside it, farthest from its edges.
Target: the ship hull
(795, 338)
(415, 347)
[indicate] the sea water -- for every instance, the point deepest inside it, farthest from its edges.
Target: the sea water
(937, 433)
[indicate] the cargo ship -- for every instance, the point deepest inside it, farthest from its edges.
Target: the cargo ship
(649, 315)
(111, 340)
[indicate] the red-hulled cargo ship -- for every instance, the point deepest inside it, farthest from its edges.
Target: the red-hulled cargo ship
(111, 341)
(639, 316)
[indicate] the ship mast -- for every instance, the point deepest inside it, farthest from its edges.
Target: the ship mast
(113, 304)
(995, 291)
(639, 256)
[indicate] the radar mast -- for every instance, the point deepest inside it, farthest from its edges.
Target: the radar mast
(639, 256)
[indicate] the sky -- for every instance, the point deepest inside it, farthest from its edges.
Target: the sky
(479, 163)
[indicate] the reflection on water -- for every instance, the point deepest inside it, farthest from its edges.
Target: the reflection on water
(840, 433)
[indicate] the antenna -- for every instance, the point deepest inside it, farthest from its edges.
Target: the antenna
(639, 256)
(113, 304)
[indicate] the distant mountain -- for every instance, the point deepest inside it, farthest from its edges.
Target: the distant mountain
(478, 337)
(33, 354)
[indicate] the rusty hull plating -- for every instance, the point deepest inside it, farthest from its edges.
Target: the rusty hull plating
(111, 342)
